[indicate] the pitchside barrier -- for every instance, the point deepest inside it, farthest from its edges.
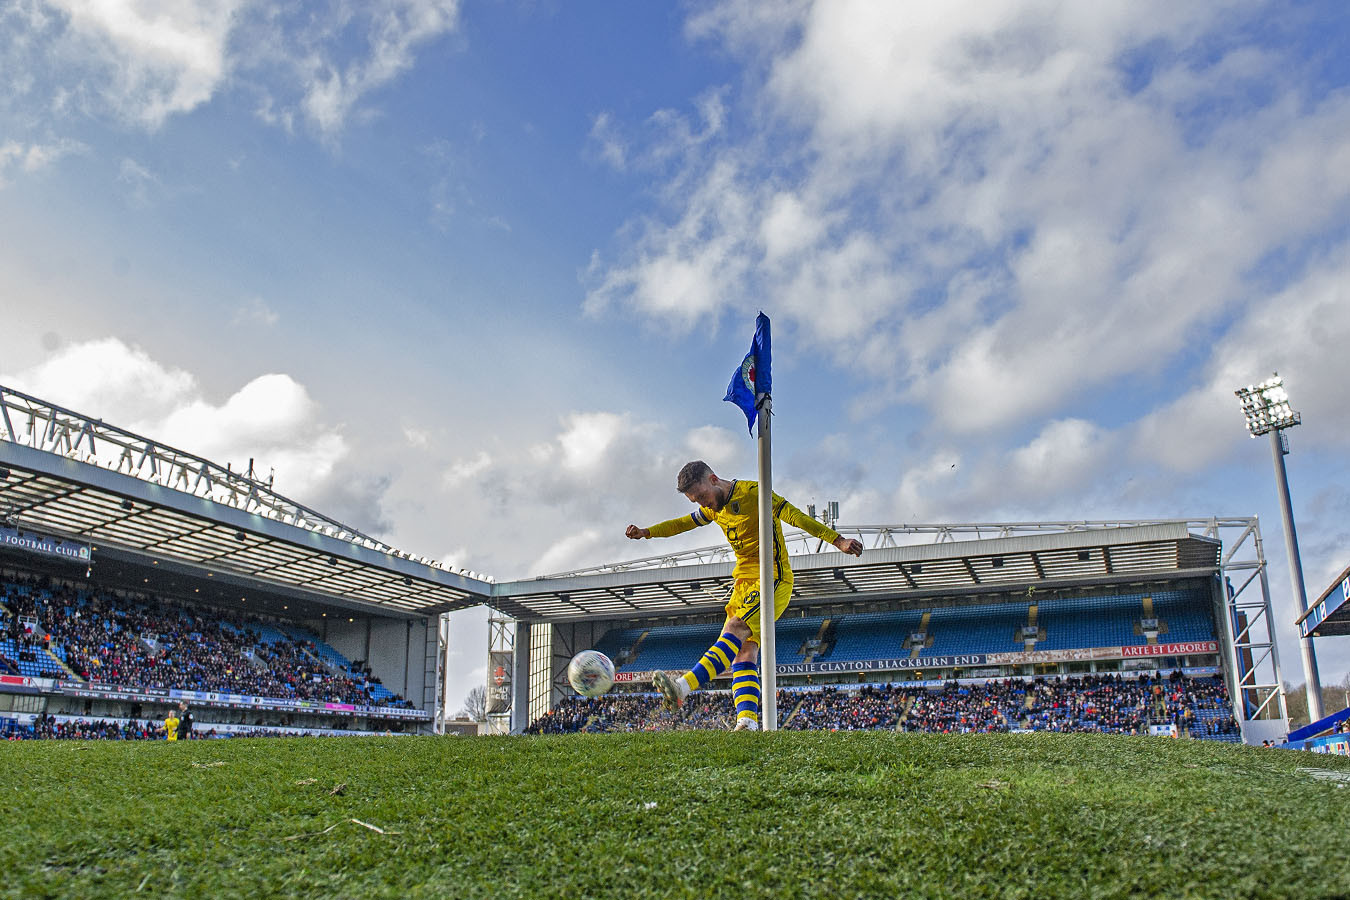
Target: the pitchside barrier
(1338, 744)
(200, 729)
(217, 699)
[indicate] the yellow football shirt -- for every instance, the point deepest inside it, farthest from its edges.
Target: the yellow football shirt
(739, 521)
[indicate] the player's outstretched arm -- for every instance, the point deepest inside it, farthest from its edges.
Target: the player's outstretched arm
(671, 527)
(851, 546)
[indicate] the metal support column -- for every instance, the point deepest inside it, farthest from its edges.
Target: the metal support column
(502, 650)
(1312, 681)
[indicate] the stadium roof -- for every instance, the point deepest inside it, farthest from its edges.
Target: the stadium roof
(72, 477)
(1329, 614)
(998, 565)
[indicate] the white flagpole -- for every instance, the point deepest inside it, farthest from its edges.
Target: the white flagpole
(767, 647)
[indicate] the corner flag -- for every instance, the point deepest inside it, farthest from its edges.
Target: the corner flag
(750, 389)
(754, 376)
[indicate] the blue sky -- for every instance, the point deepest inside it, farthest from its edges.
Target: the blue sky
(473, 275)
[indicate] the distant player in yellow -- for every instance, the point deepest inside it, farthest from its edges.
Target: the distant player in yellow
(171, 726)
(734, 506)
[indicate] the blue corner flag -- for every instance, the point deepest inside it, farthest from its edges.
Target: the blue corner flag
(753, 376)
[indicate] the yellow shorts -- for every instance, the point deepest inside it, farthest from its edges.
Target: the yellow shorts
(744, 603)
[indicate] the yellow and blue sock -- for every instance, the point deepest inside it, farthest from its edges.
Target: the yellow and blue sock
(745, 690)
(714, 662)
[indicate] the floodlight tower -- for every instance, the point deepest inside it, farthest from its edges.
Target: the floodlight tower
(1266, 406)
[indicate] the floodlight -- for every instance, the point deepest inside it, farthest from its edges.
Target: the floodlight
(1266, 406)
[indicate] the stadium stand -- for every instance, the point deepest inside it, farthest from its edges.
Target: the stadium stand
(1060, 624)
(52, 629)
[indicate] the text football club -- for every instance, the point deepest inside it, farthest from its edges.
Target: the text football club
(48, 546)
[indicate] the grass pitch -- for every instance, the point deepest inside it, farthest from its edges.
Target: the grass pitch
(691, 814)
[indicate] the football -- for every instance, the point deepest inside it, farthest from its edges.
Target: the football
(591, 673)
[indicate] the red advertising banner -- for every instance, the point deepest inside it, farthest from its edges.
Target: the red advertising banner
(1187, 648)
(622, 677)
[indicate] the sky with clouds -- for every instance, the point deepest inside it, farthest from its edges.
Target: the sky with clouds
(472, 275)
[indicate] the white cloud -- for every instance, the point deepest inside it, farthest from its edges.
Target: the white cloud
(1301, 332)
(465, 469)
(255, 311)
(33, 157)
(587, 438)
(984, 206)
(1061, 457)
(271, 419)
(564, 553)
(610, 146)
(710, 442)
(138, 181)
(564, 501)
(155, 59)
(925, 489)
(145, 61)
(686, 273)
(109, 380)
(333, 80)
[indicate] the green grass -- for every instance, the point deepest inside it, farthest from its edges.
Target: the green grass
(691, 814)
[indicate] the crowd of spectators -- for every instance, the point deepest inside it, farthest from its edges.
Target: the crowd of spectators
(992, 706)
(50, 729)
(1129, 706)
(830, 709)
(146, 641)
(635, 712)
(1093, 703)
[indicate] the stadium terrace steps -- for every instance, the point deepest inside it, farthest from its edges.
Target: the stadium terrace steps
(816, 645)
(794, 636)
(31, 668)
(905, 707)
(1205, 719)
(633, 651)
(70, 673)
(335, 663)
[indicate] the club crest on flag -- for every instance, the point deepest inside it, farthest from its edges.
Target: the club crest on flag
(748, 371)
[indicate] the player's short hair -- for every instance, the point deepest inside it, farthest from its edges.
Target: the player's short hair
(692, 474)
